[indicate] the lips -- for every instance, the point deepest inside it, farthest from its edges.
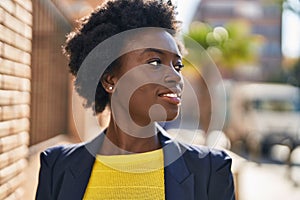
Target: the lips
(171, 97)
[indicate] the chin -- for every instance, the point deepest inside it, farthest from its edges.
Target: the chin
(172, 116)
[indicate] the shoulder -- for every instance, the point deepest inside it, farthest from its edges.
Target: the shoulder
(216, 159)
(199, 154)
(62, 156)
(219, 156)
(204, 151)
(215, 165)
(61, 153)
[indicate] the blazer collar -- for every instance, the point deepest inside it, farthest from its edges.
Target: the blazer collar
(179, 182)
(76, 177)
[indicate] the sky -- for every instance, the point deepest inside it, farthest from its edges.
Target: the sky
(291, 34)
(186, 10)
(290, 25)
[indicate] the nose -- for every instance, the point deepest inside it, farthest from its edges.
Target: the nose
(172, 76)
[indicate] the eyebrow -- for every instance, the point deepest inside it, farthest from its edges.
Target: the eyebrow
(157, 51)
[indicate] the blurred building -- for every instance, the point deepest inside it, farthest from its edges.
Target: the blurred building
(264, 18)
(15, 93)
(35, 86)
(50, 79)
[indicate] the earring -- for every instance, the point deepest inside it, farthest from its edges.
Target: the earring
(110, 87)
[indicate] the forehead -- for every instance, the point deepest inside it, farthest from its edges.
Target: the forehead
(152, 39)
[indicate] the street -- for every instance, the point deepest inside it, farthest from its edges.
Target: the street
(267, 182)
(270, 180)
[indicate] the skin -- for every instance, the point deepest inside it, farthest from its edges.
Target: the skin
(161, 64)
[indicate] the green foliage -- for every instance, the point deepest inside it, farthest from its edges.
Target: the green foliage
(229, 46)
(199, 31)
(294, 74)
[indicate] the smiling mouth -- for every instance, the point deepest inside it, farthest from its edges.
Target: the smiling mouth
(172, 98)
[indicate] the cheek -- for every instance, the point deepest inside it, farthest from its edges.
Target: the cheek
(143, 98)
(139, 105)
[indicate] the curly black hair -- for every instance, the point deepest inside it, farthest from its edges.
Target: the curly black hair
(107, 20)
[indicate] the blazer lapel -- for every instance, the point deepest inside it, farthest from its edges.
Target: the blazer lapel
(179, 182)
(76, 177)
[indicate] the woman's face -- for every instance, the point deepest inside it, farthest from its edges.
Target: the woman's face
(154, 77)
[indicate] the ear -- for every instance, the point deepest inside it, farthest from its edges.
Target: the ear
(108, 82)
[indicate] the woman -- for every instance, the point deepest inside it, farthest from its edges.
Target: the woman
(133, 158)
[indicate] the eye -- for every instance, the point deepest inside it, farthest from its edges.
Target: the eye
(155, 62)
(178, 67)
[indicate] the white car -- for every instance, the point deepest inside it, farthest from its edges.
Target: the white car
(263, 114)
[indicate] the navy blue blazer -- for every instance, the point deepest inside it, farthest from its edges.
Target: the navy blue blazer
(196, 173)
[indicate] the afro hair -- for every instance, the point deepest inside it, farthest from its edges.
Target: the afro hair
(105, 21)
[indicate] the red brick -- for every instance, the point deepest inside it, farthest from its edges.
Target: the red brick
(13, 97)
(14, 83)
(5, 69)
(1, 15)
(14, 24)
(11, 53)
(6, 35)
(15, 54)
(10, 37)
(23, 43)
(28, 32)
(26, 58)
(13, 155)
(8, 5)
(1, 49)
(27, 4)
(22, 70)
(11, 171)
(15, 69)
(23, 15)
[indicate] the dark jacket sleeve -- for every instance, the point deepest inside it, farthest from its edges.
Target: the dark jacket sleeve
(221, 185)
(47, 162)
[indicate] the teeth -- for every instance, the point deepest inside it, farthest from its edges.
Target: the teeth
(173, 95)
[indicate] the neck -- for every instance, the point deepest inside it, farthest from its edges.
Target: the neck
(121, 141)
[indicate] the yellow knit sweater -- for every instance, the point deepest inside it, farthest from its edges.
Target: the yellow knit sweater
(134, 176)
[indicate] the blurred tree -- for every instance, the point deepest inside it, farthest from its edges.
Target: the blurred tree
(294, 74)
(229, 47)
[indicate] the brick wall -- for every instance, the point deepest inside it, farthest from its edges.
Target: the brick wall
(50, 76)
(15, 79)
